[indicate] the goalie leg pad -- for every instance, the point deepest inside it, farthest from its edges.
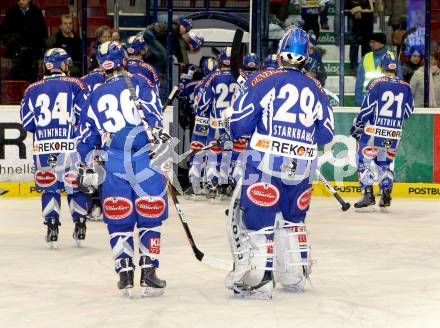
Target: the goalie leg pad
(292, 255)
(252, 255)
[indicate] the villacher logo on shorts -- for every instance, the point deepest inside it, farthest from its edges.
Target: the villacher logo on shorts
(303, 201)
(150, 206)
(45, 179)
(263, 194)
(69, 179)
(117, 208)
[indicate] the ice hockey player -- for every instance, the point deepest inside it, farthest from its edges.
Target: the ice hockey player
(215, 96)
(135, 48)
(387, 104)
(50, 110)
(288, 116)
(270, 61)
(133, 191)
(93, 79)
(251, 63)
(196, 160)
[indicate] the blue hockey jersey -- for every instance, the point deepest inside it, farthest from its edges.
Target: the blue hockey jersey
(111, 115)
(287, 115)
(215, 95)
(387, 104)
(137, 66)
(94, 79)
(50, 109)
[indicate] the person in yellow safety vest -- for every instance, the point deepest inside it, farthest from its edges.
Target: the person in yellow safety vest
(369, 67)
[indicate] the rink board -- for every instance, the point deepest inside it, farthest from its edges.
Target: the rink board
(346, 189)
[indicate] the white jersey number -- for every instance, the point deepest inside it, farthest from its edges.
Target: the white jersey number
(117, 119)
(291, 95)
(389, 98)
(58, 112)
(223, 90)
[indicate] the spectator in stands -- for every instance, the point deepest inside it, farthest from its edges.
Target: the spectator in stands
(397, 11)
(103, 34)
(369, 67)
(409, 67)
(310, 11)
(279, 8)
(155, 35)
(323, 16)
(361, 30)
(314, 66)
(23, 33)
(418, 84)
(67, 39)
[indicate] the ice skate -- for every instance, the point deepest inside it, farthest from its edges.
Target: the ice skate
(367, 201)
(79, 233)
(212, 192)
(385, 199)
(191, 194)
(52, 233)
(126, 277)
(262, 291)
(151, 285)
(223, 191)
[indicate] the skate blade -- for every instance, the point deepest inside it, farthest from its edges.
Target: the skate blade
(52, 244)
(254, 295)
(151, 292)
(384, 209)
(78, 243)
(296, 289)
(368, 209)
(127, 292)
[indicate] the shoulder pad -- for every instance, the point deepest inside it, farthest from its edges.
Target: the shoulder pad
(211, 77)
(73, 80)
(146, 80)
(263, 75)
(317, 83)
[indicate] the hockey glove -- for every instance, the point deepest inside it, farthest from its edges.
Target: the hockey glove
(87, 179)
(224, 141)
(357, 130)
(160, 135)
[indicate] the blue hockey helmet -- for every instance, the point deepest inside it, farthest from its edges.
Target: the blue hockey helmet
(135, 44)
(294, 47)
(209, 65)
(188, 72)
(110, 55)
(251, 62)
(55, 56)
(270, 61)
(195, 42)
(186, 23)
(225, 56)
(389, 62)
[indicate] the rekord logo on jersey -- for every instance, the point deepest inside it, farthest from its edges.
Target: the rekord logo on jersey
(45, 179)
(117, 208)
(150, 206)
(383, 132)
(154, 245)
(263, 194)
(202, 120)
(54, 146)
(303, 201)
(286, 148)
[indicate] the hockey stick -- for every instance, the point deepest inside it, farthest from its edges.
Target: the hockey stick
(170, 97)
(213, 262)
(344, 205)
(404, 36)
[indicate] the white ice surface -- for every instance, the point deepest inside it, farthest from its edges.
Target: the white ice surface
(373, 270)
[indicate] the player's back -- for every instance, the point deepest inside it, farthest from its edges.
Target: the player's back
(286, 113)
(50, 108)
(391, 103)
(94, 79)
(223, 86)
(116, 112)
(135, 66)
